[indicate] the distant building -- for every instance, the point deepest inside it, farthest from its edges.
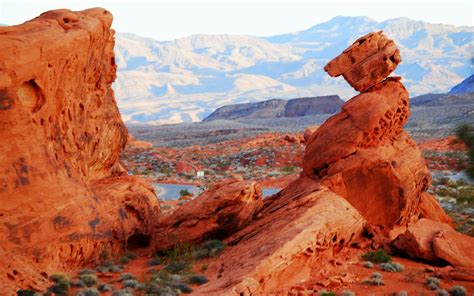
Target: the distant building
(200, 174)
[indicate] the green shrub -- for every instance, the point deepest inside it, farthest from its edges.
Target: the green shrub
(105, 287)
(86, 271)
(347, 293)
(131, 283)
(458, 291)
(155, 261)
(61, 286)
(375, 279)
(184, 288)
(78, 283)
(327, 293)
(123, 292)
(209, 248)
(197, 280)
(403, 293)
(88, 292)
(391, 267)
(432, 283)
(88, 279)
(126, 276)
(368, 264)
(184, 192)
(204, 267)
(379, 256)
(177, 266)
(25, 293)
(441, 292)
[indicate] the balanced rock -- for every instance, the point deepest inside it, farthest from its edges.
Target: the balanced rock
(64, 197)
(368, 61)
(215, 214)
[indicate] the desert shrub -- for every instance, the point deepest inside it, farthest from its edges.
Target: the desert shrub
(403, 293)
(25, 293)
(379, 256)
(86, 271)
(458, 291)
(105, 287)
(197, 279)
(391, 267)
(432, 283)
(327, 293)
(209, 248)
(155, 261)
(61, 286)
(123, 292)
(375, 279)
(204, 267)
(184, 288)
(347, 293)
(465, 133)
(109, 267)
(131, 283)
(127, 257)
(88, 279)
(126, 276)
(441, 292)
(78, 283)
(184, 192)
(177, 266)
(368, 264)
(88, 292)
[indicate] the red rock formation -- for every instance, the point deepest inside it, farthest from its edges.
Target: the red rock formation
(297, 229)
(64, 196)
(432, 241)
(216, 213)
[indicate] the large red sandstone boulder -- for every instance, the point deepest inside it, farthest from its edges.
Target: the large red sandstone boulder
(296, 230)
(435, 241)
(366, 62)
(215, 214)
(64, 197)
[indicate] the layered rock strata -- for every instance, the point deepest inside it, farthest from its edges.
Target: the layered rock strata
(64, 196)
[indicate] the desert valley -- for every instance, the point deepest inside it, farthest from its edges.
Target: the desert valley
(351, 174)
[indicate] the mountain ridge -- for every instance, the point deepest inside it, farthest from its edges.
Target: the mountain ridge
(187, 78)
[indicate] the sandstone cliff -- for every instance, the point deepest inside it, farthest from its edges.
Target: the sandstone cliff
(64, 197)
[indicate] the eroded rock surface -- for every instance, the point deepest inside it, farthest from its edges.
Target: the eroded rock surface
(216, 213)
(64, 196)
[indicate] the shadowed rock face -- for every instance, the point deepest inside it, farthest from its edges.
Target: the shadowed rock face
(63, 195)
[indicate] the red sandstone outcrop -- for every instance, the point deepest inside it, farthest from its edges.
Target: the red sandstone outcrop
(217, 213)
(432, 241)
(64, 196)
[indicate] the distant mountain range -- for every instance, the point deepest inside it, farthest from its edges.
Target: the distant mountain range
(276, 108)
(188, 78)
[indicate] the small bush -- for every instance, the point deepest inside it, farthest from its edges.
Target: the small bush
(379, 256)
(177, 266)
(123, 292)
(442, 292)
(86, 271)
(432, 283)
(61, 286)
(78, 283)
(197, 279)
(131, 283)
(126, 276)
(403, 293)
(184, 288)
(375, 279)
(209, 248)
(88, 292)
(88, 279)
(25, 293)
(204, 267)
(155, 261)
(105, 287)
(109, 267)
(368, 264)
(347, 293)
(458, 291)
(59, 277)
(391, 267)
(184, 192)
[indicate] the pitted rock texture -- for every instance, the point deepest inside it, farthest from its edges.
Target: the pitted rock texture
(64, 196)
(368, 61)
(215, 214)
(296, 229)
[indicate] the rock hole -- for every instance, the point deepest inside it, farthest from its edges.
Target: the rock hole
(42, 121)
(392, 58)
(361, 41)
(138, 241)
(69, 115)
(81, 106)
(30, 95)
(15, 272)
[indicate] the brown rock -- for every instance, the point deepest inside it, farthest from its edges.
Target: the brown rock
(308, 133)
(215, 214)
(295, 231)
(63, 195)
(435, 241)
(368, 61)
(431, 209)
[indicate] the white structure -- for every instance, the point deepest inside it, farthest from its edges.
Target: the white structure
(200, 174)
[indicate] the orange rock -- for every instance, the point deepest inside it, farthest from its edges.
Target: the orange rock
(64, 197)
(308, 132)
(435, 241)
(295, 231)
(134, 143)
(431, 209)
(368, 61)
(215, 214)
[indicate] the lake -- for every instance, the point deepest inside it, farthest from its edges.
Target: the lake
(171, 191)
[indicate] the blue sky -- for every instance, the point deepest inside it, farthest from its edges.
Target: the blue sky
(169, 19)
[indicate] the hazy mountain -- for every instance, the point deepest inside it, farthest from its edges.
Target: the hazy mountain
(188, 78)
(465, 87)
(277, 108)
